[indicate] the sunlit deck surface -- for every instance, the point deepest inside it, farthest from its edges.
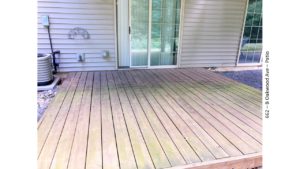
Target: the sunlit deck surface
(162, 118)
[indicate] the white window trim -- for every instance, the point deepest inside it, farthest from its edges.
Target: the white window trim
(241, 42)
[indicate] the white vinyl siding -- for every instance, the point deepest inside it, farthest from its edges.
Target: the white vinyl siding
(211, 32)
(95, 16)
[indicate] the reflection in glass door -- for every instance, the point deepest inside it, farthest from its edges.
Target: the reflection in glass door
(251, 45)
(139, 20)
(164, 32)
(154, 32)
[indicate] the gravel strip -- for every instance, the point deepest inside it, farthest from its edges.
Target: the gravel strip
(249, 77)
(43, 100)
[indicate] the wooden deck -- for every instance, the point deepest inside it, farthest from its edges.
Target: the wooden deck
(166, 118)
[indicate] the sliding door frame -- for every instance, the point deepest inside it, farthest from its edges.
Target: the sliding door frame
(182, 2)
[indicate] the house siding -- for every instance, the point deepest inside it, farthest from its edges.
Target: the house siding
(211, 32)
(95, 16)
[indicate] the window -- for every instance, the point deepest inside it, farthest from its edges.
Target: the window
(251, 47)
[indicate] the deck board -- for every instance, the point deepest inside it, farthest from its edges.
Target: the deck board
(170, 114)
(46, 122)
(59, 142)
(94, 147)
(185, 149)
(222, 125)
(214, 148)
(154, 133)
(64, 147)
(56, 103)
(208, 87)
(109, 150)
(79, 146)
(125, 152)
(141, 154)
(236, 117)
(234, 91)
(162, 118)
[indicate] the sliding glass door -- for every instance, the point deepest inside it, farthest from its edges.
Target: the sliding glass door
(251, 47)
(164, 32)
(139, 20)
(154, 32)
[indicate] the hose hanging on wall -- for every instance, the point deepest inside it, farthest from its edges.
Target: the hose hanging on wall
(46, 23)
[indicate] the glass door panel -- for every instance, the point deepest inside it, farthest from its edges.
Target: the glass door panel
(139, 32)
(251, 47)
(164, 32)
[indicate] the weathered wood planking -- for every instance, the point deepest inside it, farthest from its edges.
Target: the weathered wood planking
(56, 135)
(242, 121)
(185, 149)
(170, 113)
(241, 162)
(94, 146)
(209, 142)
(235, 90)
(168, 145)
(51, 113)
(217, 115)
(126, 156)
(229, 98)
(140, 150)
(219, 99)
(189, 98)
(55, 104)
(168, 118)
(79, 146)
(155, 136)
(64, 147)
(109, 149)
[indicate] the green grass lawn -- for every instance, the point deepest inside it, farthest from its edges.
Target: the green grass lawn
(252, 47)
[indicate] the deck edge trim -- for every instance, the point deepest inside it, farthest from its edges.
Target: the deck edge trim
(248, 161)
